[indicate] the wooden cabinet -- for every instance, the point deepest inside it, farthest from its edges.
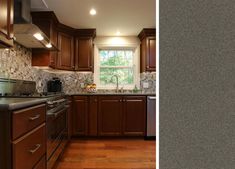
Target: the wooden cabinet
(93, 116)
(148, 50)
(84, 53)
(6, 23)
(29, 149)
(122, 116)
(134, 115)
(47, 22)
(70, 117)
(23, 138)
(65, 58)
(80, 115)
(75, 45)
(25, 120)
(110, 116)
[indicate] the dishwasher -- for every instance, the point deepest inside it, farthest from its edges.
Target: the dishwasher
(151, 117)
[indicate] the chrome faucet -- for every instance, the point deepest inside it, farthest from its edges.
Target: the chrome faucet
(116, 82)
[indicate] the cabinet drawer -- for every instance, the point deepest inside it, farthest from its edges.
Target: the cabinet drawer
(41, 164)
(25, 120)
(29, 149)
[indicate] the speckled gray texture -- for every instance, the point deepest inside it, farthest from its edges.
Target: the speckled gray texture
(197, 84)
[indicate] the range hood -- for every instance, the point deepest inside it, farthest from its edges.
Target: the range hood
(25, 31)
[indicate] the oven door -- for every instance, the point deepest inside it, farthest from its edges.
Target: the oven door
(56, 130)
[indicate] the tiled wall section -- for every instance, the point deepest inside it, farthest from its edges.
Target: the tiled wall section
(16, 64)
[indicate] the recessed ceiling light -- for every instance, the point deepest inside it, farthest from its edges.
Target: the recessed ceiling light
(92, 11)
(48, 45)
(38, 36)
(118, 33)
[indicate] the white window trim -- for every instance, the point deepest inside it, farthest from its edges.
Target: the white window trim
(136, 51)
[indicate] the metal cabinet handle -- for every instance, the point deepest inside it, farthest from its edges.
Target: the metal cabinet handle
(120, 100)
(36, 149)
(34, 117)
(151, 98)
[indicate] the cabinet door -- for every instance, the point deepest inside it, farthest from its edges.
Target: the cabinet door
(92, 119)
(110, 116)
(6, 23)
(134, 115)
(80, 113)
(84, 53)
(65, 58)
(151, 54)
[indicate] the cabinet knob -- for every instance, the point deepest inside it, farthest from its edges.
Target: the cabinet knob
(147, 66)
(95, 100)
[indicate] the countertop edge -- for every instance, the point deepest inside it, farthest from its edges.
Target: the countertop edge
(23, 104)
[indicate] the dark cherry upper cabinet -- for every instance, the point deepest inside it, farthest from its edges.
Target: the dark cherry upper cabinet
(47, 22)
(6, 23)
(84, 57)
(80, 115)
(65, 59)
(110, 116)
(134, 115)
(84, 53)
(75, 45)
(148, 50)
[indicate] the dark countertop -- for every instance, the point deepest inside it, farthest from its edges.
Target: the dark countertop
(17, 103)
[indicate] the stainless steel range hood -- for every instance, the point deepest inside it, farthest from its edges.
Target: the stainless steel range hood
(24, 30)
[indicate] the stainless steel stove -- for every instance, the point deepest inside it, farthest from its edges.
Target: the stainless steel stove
(57, 113)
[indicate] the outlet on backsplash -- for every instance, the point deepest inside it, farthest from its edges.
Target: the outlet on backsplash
(145, 85)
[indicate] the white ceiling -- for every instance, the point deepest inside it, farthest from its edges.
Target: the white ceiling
(127, 16)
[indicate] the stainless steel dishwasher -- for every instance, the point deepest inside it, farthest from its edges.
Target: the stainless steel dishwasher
(151, 117)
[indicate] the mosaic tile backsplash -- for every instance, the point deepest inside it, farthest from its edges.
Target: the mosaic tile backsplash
(15, 63)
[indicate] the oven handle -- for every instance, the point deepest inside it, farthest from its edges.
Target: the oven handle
(58, 113)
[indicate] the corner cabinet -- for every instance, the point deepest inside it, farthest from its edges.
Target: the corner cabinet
(65, 59)
(148, 50)
(6, 23)
(75, 45)
(47, 22)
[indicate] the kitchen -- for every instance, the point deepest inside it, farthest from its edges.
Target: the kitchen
(62, 88)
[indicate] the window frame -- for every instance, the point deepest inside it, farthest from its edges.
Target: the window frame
(135, 66)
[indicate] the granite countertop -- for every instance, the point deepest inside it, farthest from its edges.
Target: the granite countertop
(17, 103)
(126, 93)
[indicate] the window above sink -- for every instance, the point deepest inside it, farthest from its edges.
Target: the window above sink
(121, 60)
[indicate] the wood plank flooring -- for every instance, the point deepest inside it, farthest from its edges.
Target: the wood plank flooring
(109, 154)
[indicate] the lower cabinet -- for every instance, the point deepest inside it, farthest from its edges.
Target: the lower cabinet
(80, 115)
(134, 115)
(93, 116)
(23, 138)
(109, 115)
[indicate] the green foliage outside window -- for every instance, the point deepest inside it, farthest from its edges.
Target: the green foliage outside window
(116, 62)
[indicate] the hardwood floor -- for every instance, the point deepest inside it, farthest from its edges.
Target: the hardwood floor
(109, 154)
